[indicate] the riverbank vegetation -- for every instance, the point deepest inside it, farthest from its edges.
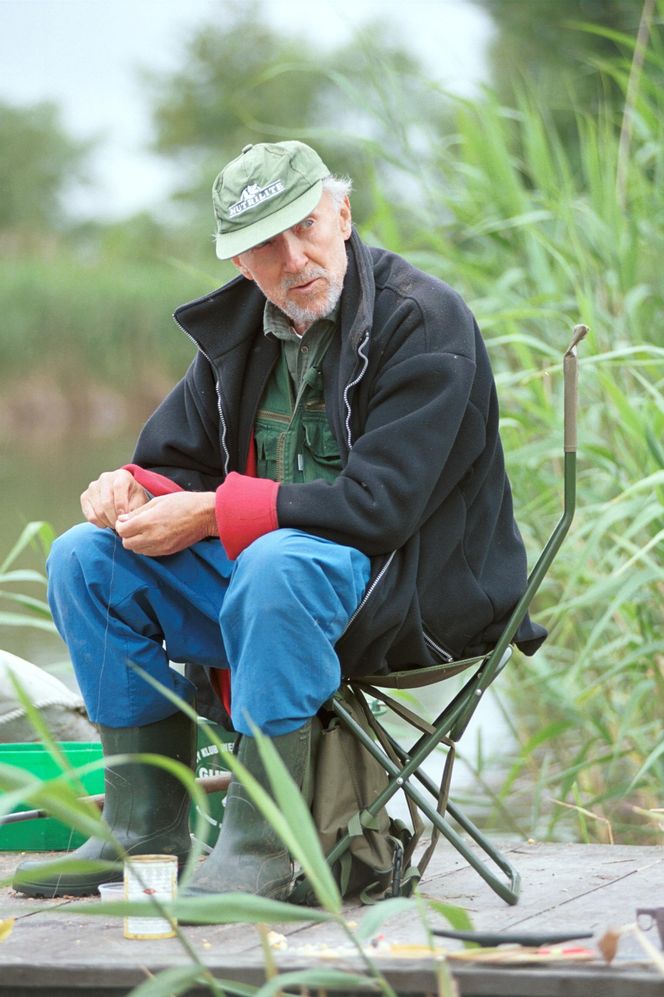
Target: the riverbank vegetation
(542, 217)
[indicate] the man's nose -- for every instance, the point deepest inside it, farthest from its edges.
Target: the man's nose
(293, 255)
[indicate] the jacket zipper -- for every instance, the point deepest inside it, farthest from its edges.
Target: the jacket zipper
(369, 592)
(435, 646)
(220, 409)
(441, 651)
(352, 384)
(349, 440)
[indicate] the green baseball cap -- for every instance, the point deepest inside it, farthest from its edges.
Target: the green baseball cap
(265, 190)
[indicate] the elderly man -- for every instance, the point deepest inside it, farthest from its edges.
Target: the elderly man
(323, 494)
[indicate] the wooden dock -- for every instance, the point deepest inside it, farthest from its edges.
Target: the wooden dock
(565, 887)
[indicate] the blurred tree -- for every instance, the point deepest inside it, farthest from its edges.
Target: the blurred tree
(140, 238)
(244, 81)
(539, 43)
(39, 162)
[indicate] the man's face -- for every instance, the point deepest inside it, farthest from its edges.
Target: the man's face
(302, 270)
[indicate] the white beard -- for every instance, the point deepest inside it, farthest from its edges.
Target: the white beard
(300, 315)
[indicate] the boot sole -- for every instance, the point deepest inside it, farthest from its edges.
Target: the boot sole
(50, 891)
(78, 887)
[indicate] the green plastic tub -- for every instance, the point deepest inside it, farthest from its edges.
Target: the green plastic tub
(47, 834)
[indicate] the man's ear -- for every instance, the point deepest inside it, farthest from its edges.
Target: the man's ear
(237, 262)
(345, 218)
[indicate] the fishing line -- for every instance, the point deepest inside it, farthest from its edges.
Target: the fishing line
(107, 625)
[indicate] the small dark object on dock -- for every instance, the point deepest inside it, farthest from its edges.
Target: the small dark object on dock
(492, 939)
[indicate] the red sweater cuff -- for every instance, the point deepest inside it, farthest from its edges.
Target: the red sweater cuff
(156, 484)
(246, 508)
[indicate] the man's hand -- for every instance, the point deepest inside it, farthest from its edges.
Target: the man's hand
(168, 523)
(111, 495)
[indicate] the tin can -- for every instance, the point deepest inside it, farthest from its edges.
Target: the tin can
(148, 876)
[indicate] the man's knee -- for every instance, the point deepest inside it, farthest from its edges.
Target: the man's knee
(289, 568)
(274, 565)
(271, 550)
(80, 547)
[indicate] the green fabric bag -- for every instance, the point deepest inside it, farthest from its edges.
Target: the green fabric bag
(345, 779)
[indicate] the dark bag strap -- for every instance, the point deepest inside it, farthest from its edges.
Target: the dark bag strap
(408, 848)
(419, 723)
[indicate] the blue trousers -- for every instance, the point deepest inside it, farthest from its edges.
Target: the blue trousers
(272, 616)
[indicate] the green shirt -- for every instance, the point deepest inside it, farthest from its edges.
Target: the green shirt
(303, 351)
(294, 442)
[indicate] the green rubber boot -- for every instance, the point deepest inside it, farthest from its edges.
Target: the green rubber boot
(145, 807)
(249, 856)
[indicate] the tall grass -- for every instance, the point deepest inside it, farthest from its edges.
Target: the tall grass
(538, 237)
(25, 610)
(77, 317)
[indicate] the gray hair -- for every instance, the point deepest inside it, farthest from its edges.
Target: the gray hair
(337, 188)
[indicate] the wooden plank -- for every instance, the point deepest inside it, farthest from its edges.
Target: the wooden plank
(584, 886)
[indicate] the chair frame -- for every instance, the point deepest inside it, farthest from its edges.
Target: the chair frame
(404, 768)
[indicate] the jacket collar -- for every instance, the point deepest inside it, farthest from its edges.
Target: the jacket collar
(204, 318)
(357, 300)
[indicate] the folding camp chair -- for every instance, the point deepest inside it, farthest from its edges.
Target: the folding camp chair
(405, 767)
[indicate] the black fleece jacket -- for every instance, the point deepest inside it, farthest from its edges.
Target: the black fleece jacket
(423, 492)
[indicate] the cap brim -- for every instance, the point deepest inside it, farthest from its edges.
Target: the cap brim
(229, 244)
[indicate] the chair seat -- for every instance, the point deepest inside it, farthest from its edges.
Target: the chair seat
(415, 678)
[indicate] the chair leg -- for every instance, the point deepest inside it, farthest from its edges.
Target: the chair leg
(507, 891)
